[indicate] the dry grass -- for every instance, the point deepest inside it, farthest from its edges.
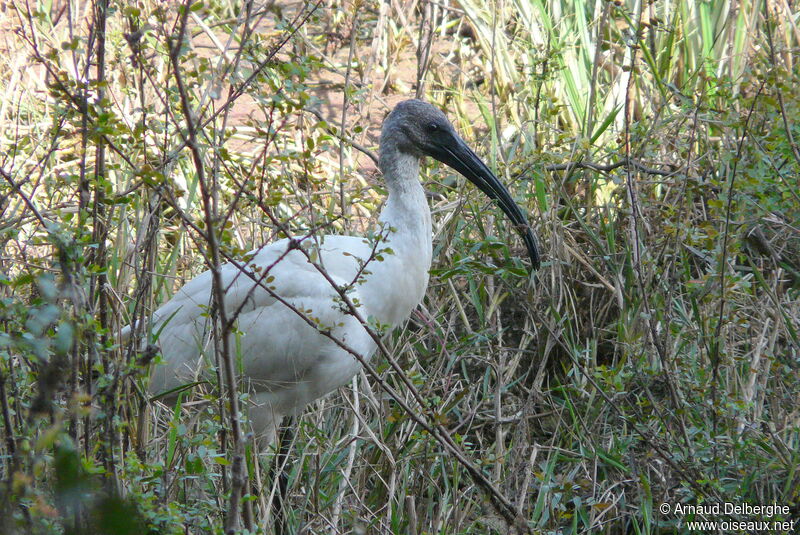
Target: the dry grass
(653, 359)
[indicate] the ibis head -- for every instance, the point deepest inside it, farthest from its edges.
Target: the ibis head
(417, 128)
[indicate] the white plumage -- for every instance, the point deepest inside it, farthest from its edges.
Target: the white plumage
(286, 363)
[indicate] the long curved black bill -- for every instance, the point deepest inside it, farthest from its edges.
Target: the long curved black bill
(460, 157)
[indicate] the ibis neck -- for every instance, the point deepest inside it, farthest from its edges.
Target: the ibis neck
(397, 283)
(406, 209)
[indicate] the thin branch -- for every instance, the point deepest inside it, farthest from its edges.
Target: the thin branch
(636, 222)
(27, 200)
(715, 354)
(238, 471)
(345, 138)
(628, 162)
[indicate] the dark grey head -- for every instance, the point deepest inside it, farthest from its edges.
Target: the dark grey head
(419, 129)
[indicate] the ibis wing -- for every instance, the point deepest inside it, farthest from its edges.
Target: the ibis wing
(280, 350)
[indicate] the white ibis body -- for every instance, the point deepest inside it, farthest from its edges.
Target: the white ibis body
(287, 362)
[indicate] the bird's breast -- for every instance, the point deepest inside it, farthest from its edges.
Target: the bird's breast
(397, 282)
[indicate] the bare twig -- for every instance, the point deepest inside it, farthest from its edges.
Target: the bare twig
(238, 471)
(636, 223)
(723, 262)
(628, 162)
(345, 138)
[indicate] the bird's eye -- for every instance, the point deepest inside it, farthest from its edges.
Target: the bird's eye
(433, 127)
